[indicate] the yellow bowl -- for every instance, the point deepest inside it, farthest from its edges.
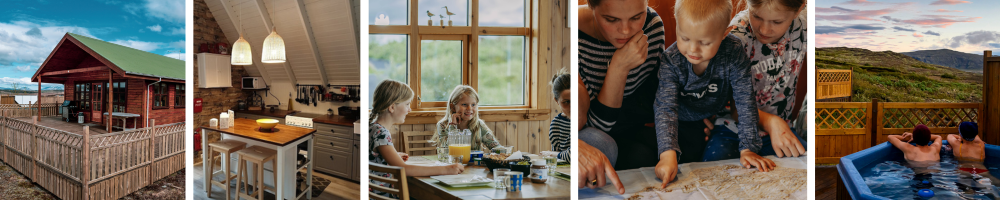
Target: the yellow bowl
(267, 123)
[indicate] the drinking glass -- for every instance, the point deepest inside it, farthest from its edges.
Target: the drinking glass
(550, 163)
(499, 177)
(442, 153)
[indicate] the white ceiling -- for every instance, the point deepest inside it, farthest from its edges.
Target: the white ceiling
(321, 37)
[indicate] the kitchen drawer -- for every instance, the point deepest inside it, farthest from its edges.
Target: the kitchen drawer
(256, 117)
(357, 160)
(334, 143)
(334, 162)
(334, 130)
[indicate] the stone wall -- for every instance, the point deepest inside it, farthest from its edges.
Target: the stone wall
(214, 100)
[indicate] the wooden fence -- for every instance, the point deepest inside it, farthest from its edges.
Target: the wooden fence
(843, 128)
(114, 165)
(833, 84)
(28, 110)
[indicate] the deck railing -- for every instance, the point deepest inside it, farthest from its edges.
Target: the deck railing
(28, 110)
(843, 128)
(114, 165)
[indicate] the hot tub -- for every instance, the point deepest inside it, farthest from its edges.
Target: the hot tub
(854, 183)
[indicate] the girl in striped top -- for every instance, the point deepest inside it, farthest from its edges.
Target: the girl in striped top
(619, 48)
(559, 129)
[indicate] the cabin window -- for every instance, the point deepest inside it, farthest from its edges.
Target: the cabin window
(120, 97)
(161, 96)
(488, 53)
(82, 95)
(179, 95)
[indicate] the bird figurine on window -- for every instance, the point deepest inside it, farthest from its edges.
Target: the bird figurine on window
(449, 13)
(430, 18)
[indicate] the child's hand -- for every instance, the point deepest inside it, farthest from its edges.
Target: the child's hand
(749, 158)
(666, 169)
(632, 54)
(453, 169)
(404, 156)
(782, 140)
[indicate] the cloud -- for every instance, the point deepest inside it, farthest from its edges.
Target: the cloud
(177, 45)
(179, 56)
(903, 29)
(973, 38)
(995, 45)
(167, 10)
(949, 2)
(841, 29)
(888, 18)
(27, 42)
(917, 35)
(932, 33)
(940, 21)
(845, 14)
(25, 82)
(140, 45)
(946, 11)
(860, 2)
(22, 68)
(177, 31)
(157, 28)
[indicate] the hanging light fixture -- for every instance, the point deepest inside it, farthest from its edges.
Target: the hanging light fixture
(242, 55)
(274, 46)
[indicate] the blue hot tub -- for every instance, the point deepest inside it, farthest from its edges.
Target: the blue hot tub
(854, 183)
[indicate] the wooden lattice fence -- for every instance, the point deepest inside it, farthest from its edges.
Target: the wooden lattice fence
(28, 110)
(833, 84)
(115, 164)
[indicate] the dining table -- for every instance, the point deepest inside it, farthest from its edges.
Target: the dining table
(283, 138)
(425, 187)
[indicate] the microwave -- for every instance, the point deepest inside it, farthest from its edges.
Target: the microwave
(254, 83)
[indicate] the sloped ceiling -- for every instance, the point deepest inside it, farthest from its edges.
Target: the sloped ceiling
(320, 37)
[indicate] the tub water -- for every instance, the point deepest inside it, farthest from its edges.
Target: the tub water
(896, 178)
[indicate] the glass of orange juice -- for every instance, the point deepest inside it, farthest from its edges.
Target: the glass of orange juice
(463, 150)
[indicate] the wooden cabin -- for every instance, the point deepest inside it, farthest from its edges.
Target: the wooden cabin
(100, 76)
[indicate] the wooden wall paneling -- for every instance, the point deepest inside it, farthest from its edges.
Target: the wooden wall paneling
(534, 135)
(522, 136)
(511, 133)
(500, 131)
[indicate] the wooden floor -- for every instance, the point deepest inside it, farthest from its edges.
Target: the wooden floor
(826, 182)
(338, 188)
(56, 122)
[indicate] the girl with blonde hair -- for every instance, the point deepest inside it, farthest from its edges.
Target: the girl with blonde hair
(390, 104)
(463, 111)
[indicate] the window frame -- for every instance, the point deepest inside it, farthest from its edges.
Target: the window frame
(157, 94)
(179, 95)
(82, 96)
(120, 89)
(416, 33)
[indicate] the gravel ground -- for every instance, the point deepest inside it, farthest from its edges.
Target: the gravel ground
(13, 185)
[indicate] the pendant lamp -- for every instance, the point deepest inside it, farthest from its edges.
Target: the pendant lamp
(274, 48)
(242, 55)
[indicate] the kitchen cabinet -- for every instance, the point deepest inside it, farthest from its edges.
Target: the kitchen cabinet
(337, 150)
(214, 71)
(357, 161)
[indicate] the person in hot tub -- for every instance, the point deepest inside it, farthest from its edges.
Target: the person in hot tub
(970, 151)
(923, 150)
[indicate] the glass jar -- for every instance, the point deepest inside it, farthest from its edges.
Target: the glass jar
(539, 171)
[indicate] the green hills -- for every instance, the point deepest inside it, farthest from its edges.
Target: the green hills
(894, 77)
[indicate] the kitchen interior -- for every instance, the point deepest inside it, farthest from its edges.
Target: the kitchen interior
(296, 114)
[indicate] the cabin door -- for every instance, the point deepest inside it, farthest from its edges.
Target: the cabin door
(97, 102)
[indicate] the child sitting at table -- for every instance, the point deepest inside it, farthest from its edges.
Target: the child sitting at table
(559, 129)
(390, 104)
(463, 111)
(923, 150)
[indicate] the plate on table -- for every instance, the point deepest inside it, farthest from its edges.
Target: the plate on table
(565, 171)
(463, 180)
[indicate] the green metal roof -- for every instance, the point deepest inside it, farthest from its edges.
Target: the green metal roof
(135, 61)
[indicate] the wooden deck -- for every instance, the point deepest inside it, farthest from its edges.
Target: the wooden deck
(56, 122)
(826, 182)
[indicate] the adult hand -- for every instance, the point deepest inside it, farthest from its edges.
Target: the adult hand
(596, 168)
(783, 140)
(453, 169)
(404, 156)
(749, 158)
(632, 54)
(907, 136)
(666, 169)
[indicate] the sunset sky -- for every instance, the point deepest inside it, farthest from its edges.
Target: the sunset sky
(969, 26)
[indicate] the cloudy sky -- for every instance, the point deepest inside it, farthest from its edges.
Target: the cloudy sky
(969, 26)
(30, 29)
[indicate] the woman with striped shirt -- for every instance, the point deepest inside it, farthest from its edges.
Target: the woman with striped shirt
(619, 47)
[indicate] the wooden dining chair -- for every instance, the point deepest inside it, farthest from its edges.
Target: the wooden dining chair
(418, 138)
(398, 182)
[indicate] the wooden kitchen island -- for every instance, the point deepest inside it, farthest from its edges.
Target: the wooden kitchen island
(284, 140)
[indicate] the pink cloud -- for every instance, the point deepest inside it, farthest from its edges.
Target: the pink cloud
(842, 17)
(949, 2)
(846, 14)
(917, 35)
(945, 11)
(860, 2)
(940, 21)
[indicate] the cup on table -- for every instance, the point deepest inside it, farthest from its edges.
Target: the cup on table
(456, 159)
(550, 163)
(442, 153)
(500, 178)
(515, 180)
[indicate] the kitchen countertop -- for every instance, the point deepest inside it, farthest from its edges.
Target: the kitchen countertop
(247, 128)
(317, 118)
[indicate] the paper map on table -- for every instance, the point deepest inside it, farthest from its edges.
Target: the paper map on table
(731, 180)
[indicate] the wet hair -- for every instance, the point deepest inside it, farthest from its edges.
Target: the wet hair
(968, 130)
(560, 82)
(921, 135)
(388, 93)
(790, 5)
(702, 12)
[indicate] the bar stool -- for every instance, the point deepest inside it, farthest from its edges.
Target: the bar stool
(257, 155)
(224, 147)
